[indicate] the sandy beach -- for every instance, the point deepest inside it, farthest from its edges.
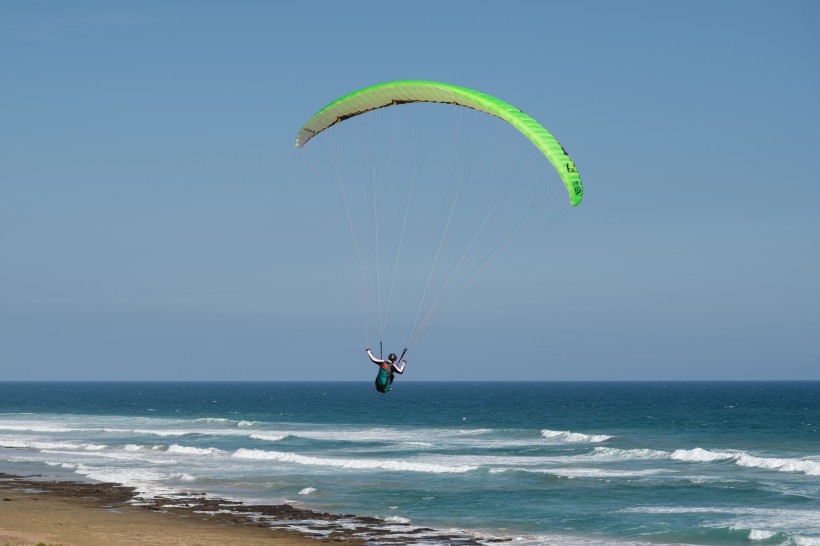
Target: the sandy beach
(36, 509)
(74, 513)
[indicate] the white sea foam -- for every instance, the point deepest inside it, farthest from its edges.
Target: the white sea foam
(601, 472)
(174, 448)
(107, 456)
(213, 512)
(267, 437)
(220, 420)
(756, 534)
(307, 491)
(546, 463)
(673, 510)
(34, 427)
(701, 455)
(776, 520)
(45, 445)
(143, 480)
(166, 432)
(82, 447)
(244, 423)
(171, 449)
(396, 519)
(807, 466)
(406, 437)
(358, 464)
(574, 437)
(351, 435)
(582, 472)
(628, 454)
(805, 541)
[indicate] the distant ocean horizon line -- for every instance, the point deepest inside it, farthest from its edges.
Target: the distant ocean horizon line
(410, 381)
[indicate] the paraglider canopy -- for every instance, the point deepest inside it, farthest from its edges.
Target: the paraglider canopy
(408, 91)
(433, 194)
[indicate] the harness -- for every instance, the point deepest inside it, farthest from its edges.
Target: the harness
(385, 377)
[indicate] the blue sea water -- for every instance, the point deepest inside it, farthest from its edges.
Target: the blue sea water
(539, 463)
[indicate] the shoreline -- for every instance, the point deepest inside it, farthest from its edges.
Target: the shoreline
(41, 509)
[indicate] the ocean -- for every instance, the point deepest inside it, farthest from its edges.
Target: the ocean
(623, 463)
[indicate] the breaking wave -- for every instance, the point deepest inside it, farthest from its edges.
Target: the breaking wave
(810, 467)
(567, 436)
(358, 464)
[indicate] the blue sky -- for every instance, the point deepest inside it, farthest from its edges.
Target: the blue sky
(156, 222)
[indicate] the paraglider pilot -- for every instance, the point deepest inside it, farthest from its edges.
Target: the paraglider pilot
(386, 370)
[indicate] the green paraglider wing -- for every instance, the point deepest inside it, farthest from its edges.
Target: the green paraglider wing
(401, 92)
